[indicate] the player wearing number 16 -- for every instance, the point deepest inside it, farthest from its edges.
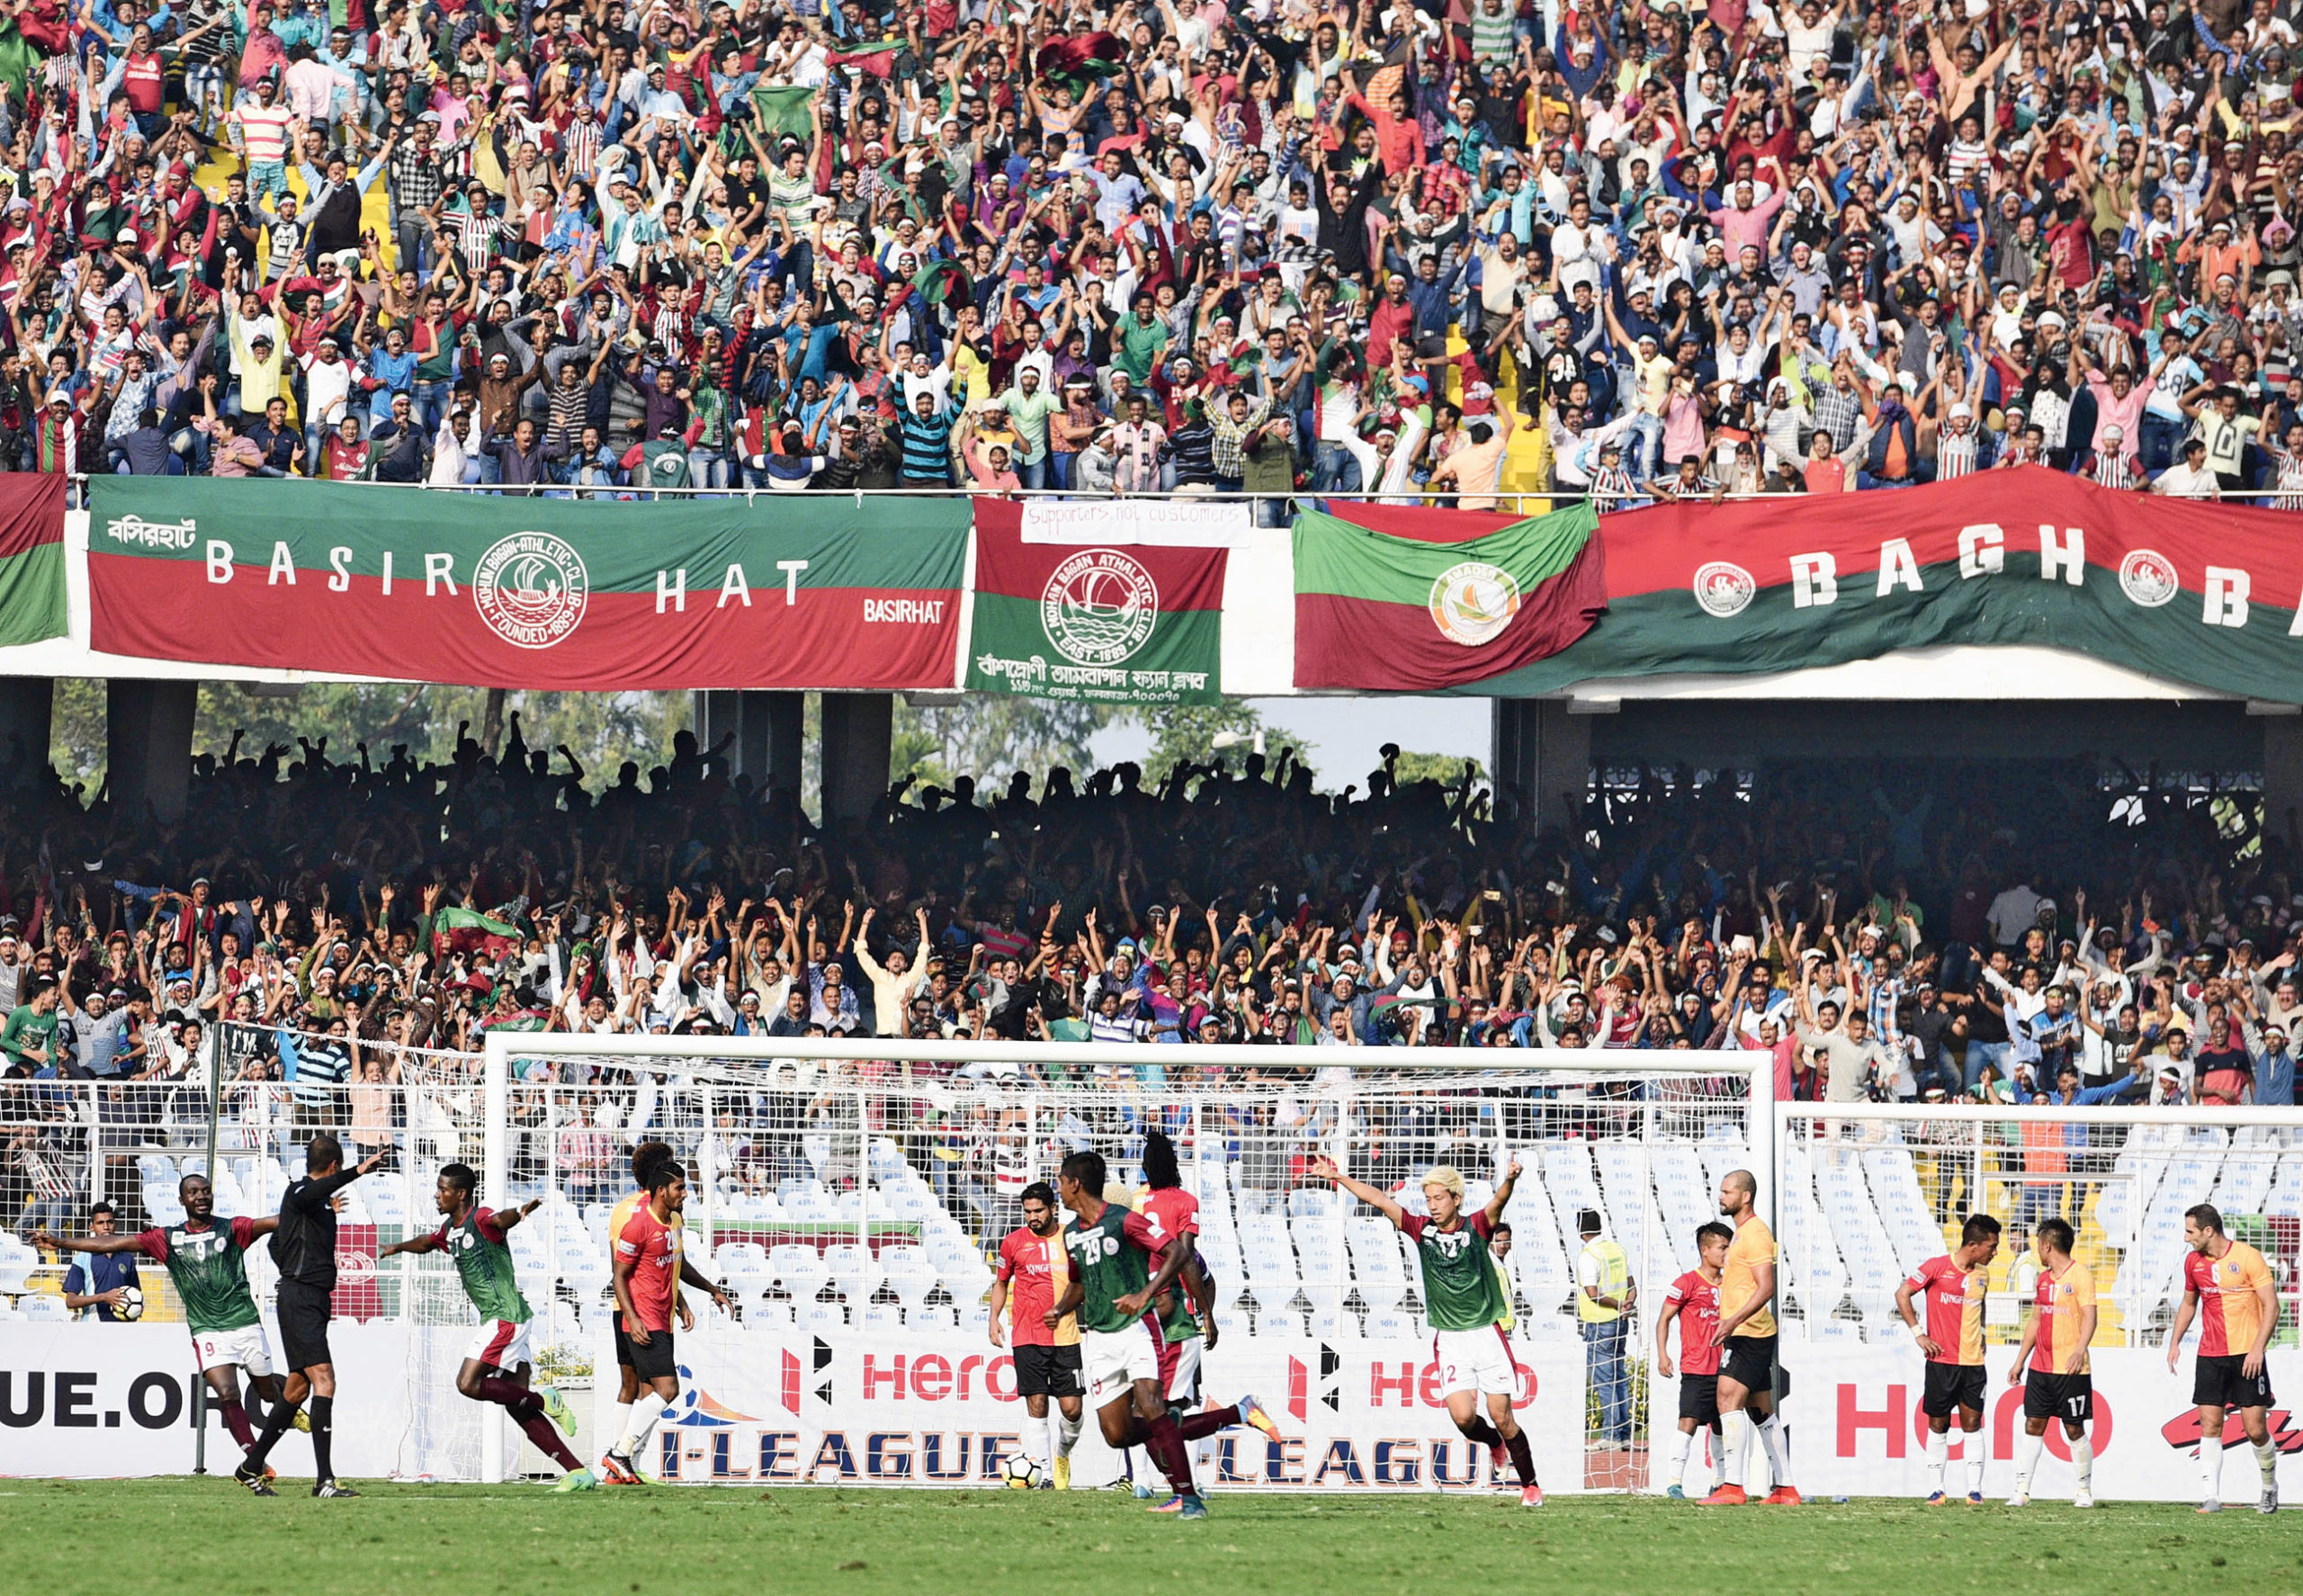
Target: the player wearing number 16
(1462, 1296)
(499, 1361)
(1956, 1285)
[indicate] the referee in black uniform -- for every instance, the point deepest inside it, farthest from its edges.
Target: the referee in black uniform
(304, 1247)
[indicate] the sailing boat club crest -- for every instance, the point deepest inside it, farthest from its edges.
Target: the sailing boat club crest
(1099, 606)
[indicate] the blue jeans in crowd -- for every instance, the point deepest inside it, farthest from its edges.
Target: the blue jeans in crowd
(2161, 437)
(1609, 1372)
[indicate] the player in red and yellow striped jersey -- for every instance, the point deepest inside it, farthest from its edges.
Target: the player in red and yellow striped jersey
(1956, 1284)
(2052, 1363)
(2229, 1286)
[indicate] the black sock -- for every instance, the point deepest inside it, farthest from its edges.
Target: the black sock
(323, 1434)
(1522, 1459)
(275, 1425)
(1481, 1431)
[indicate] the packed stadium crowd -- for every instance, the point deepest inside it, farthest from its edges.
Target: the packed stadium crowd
(2000, 940)
(1092, 247)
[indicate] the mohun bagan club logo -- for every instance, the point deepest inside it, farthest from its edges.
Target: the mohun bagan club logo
(1473, 602)
(531, 589)
(1723, 587)
(2148, 577)
(1099, 606)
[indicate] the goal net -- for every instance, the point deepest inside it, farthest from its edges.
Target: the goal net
(852, 1196)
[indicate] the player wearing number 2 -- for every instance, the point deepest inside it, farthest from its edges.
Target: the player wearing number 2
(1951, 1340)
(1463, 1297)
(2052, 1364)
(499, 1361)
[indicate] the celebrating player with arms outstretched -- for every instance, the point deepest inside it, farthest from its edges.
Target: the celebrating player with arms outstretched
(1956, 1284)
(1747, 1332)
(1111, 1289)
(498, 1362)
(1463, 1295)
(2229, 1286)
(208, 1265)
(2052, 1364)
(1693, 1302)
(651, 1263)
(1033, 1273)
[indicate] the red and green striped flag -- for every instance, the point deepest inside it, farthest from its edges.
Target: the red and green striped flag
(1402, 601)
(1138, 623)
(457, 929)
(31, 558)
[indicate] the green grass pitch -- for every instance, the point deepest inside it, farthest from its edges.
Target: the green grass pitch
(113, 1538)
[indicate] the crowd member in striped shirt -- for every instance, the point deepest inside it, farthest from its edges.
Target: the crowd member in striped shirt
(2113, 466)
(927, 438)
(260, 133)
(1957, 444)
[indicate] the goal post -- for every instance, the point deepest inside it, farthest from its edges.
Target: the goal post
(852, 1192)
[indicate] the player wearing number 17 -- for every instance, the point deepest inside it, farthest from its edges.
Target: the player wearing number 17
(499, 1361)
(1956, 1284)
(1463, 1295)
(2058, 1384)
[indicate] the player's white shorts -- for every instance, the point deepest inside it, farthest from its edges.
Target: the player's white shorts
(1112, 1360)
(1182, 1360)
(222, 1348)
(502, 1344)
(1475, 1360)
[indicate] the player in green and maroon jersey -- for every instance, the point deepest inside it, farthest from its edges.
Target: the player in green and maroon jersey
(1112, 1284)
(499, 1361)
(207, 1265)
(1462, 1297)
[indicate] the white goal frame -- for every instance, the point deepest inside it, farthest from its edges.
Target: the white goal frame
(1754, 1067)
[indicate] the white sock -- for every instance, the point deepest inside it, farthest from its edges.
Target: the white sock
(1035, 1438)
(2027, 1458)
(1717, 1441)
(1938, 1452)
(644, 1413)
(2211, 1468)
(1978, 1449)
(621, 1420)
(2082, 1458)
(1777, 1446)
(1681, 1440)
(1067, 1434)
(1738, 1428)
(2267, 1459)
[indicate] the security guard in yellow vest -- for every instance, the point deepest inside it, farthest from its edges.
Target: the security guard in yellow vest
(1604, 1295)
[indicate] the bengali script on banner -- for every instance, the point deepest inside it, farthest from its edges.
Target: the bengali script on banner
(1093, 621)
(492, 590)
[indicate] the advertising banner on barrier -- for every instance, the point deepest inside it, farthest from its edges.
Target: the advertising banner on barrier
(1097, 622)
(2184, 589)
(81, 1401)
(1857, 1428)
(784, 1406)
(828, 592)
(31, 558)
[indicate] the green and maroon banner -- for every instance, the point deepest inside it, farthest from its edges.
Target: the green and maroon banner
(1095, 622)
(487, 590)
(31, 558)
(1407, 600)
(2188, 590)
